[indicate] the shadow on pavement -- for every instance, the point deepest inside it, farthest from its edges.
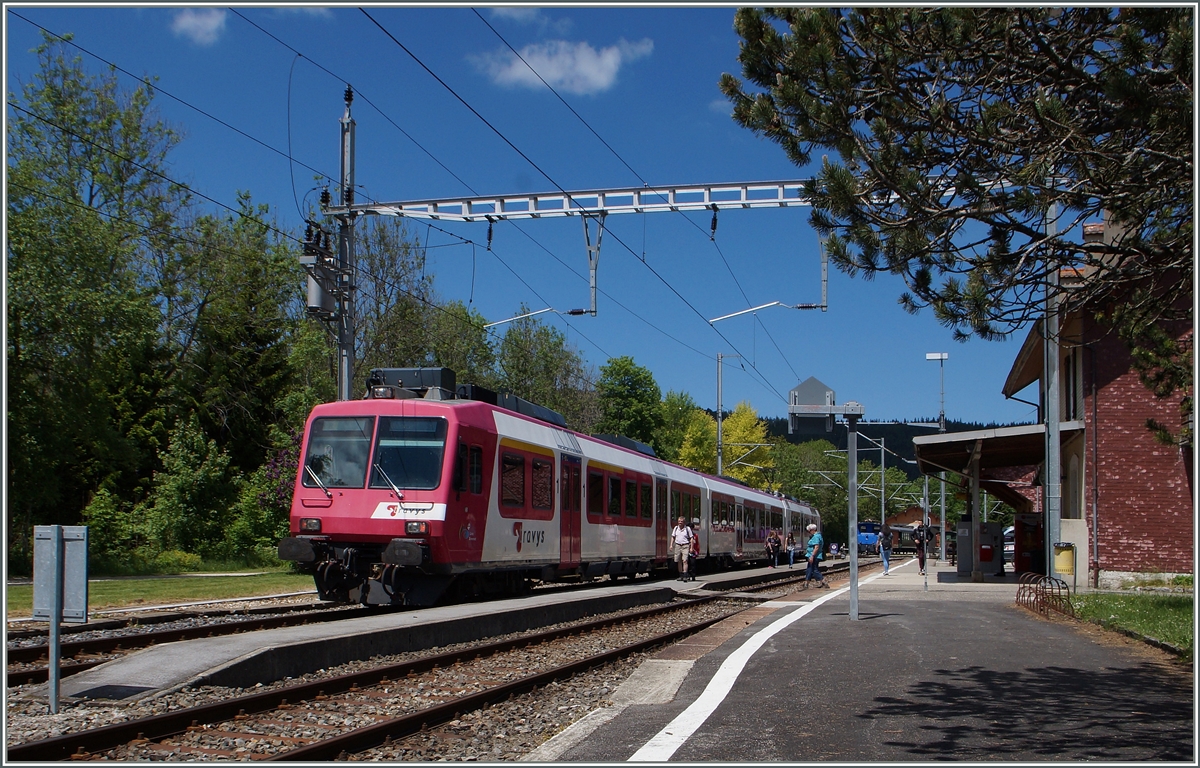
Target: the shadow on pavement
(1131, 713)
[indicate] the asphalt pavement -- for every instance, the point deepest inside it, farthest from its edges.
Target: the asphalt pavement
(932, 670)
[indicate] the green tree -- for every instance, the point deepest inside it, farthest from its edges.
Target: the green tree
(395, 301)
(239, 369)
(955, 130)
(191, 505)
(459, 341)
(808, 472)
(87, 204)
(676, 410)
(629, 401)
(534, 361)
(699, 448)
(748, 456)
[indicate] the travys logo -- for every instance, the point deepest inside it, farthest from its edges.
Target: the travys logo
(532, 538)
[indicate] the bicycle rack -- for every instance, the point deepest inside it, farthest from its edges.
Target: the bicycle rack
(1044, 593)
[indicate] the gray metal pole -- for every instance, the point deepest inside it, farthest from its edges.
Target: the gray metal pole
(1052, 482)
(882, 487)
(346, 259)
(942, 474)
(925, 524)
(852, 508)
(976, 520)
(719, 356)
(56, 610)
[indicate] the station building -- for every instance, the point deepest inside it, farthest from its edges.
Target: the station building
(1127, 506)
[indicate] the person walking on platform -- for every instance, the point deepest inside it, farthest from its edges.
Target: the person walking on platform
(920, 536)
(814, 552)
(681, 540)
(693, 552)
(884, 547)
(773, 549)
(791, 549)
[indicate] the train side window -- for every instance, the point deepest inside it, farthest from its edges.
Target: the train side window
(614, 496)
(631, 498)
(543, 484)
(512, 480)
(595, 492)
(676, 509)
(475, 469)
(647, 501)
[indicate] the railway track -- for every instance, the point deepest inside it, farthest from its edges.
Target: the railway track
(81, 655)
(349, 713)
(84, 653)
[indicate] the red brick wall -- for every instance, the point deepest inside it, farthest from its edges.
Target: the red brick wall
(1145, 507)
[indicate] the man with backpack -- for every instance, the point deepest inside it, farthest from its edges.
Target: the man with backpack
(681, 545)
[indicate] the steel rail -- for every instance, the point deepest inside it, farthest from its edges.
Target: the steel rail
(83, 743)
(361, 739)
(142, 640)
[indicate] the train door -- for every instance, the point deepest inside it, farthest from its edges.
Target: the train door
(570, 508)
(739, 526)
(661, 528)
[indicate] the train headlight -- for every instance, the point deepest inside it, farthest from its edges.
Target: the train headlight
(416, 527)
(310, 524)
(382, 393)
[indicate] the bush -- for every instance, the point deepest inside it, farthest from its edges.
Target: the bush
(189, 507)
(112, 530)
(174, 561)
(263, 507)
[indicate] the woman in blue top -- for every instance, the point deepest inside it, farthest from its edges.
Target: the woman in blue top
(814, 552)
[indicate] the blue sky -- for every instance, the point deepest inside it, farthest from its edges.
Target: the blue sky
(644, 80)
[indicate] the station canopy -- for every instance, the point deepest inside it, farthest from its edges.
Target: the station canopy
(999, 448)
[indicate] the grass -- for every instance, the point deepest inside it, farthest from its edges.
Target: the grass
(134, 592)
(1164, 617)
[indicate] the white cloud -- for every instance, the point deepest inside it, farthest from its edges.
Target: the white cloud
(721, 106)
(201, 27)
(308, 10)
(532, 17)
(576, 68)
(519, 15)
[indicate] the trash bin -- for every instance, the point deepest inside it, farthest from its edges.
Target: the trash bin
(1064, 558)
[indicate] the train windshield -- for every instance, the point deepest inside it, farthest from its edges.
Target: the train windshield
(408, 453)
(338, 448)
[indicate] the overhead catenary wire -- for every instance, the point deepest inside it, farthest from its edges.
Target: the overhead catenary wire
(287, 155)
(613, 151)
(557, 186)
(189, 105)
(160, 175)
(209, 247)
(473, 191)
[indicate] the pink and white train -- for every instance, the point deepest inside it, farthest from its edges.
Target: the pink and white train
(423, 488)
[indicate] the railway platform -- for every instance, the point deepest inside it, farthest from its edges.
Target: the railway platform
(243, 660)
(949, 671)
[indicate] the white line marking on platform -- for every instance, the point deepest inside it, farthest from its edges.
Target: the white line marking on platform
(671, 738)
